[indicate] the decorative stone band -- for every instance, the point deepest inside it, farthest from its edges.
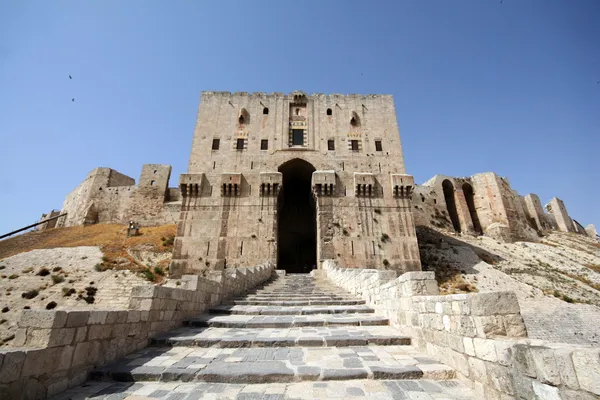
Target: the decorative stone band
(61, 347)
(480, 335)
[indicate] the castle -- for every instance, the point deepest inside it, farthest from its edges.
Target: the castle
(297, 179)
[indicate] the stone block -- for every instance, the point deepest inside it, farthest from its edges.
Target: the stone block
(523, 360)
(562, 356)
(61, 337)
(57, 386)
(485, 349)
(504, 351)
(97, 317)
(587, 369)
(546, 392)
(514, 325)
(20, 339)
(489, 326)
(417, 276)
(99, 332)
(77, 318)
(500, 378)
(80, 334)
(133, 316)
(66, 357)
(545, 365)
(12, 365)
(456, 342)
(42, 319)
(494, 303)
(469, 346)
(477, 370)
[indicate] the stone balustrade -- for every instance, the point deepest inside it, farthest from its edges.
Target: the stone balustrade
(481, 335)
(57, 349)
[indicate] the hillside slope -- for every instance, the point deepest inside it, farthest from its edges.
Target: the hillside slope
(557, 280)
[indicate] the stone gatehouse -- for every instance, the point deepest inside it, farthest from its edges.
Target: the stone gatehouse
(295, 179)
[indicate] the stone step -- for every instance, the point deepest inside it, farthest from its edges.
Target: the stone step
(281, 364)
(284, 321)
(290, 337)
(299, 310)
(356, 389)
(295, 298)
(297, 302)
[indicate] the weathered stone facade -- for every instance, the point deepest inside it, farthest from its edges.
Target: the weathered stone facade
(486, 204)
(107, 196)
(294, 179)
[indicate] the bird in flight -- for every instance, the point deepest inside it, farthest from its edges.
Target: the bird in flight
(70, 77)
(73, 99)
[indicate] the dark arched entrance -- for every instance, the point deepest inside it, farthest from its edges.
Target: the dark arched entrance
(296, 218)
(470, 198)
(448, 188)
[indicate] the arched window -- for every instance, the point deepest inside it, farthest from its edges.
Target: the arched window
(329, 112)
(244, 117)
(265, 111)
(297, 111)
(355, 120)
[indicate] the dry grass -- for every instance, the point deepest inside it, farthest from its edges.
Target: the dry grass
(593, 267)
(111, 238)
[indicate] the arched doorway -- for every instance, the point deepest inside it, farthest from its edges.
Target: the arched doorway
(470, 198)
(296, 218)
(448, 188)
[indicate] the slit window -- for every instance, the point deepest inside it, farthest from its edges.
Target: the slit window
(329, 112)
(216, 143)
(241, 119)
(330, 144)
(298, 137)
(378, 145)
(354, 145)
(239, 145)
(265, 111)
(264, 144)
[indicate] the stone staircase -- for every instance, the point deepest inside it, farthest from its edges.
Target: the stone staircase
(294, 338)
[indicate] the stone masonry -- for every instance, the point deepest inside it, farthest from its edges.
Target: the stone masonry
(303, 337)
(295, 179)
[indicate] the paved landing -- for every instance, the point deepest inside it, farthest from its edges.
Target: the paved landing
(355, 389)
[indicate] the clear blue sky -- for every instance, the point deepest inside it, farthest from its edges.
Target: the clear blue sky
(479, 85)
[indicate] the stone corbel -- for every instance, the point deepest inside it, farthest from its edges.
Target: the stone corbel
(365, 185)
(323, 183)
(270, 183)
(402, 185)
(191, 184)
(231, 184)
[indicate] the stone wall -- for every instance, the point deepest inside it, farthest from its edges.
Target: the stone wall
(482, 336)
(231, 203)
(107, 196)
(59, 348)
(486, 203)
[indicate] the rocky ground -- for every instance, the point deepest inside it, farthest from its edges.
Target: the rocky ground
(65, 271)
(557, 280)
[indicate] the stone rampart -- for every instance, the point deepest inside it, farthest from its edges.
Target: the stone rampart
(59, 348)
(481, 335)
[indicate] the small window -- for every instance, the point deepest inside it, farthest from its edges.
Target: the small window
(298, 137)
(330, 144)
(239, 145)
(216, 144)
(329, 112)
(297, 111)
(264, 144)
(241, 119)
(265, 111)
(354, 144)
(152, 183)
(155, 171)
(378, 145)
